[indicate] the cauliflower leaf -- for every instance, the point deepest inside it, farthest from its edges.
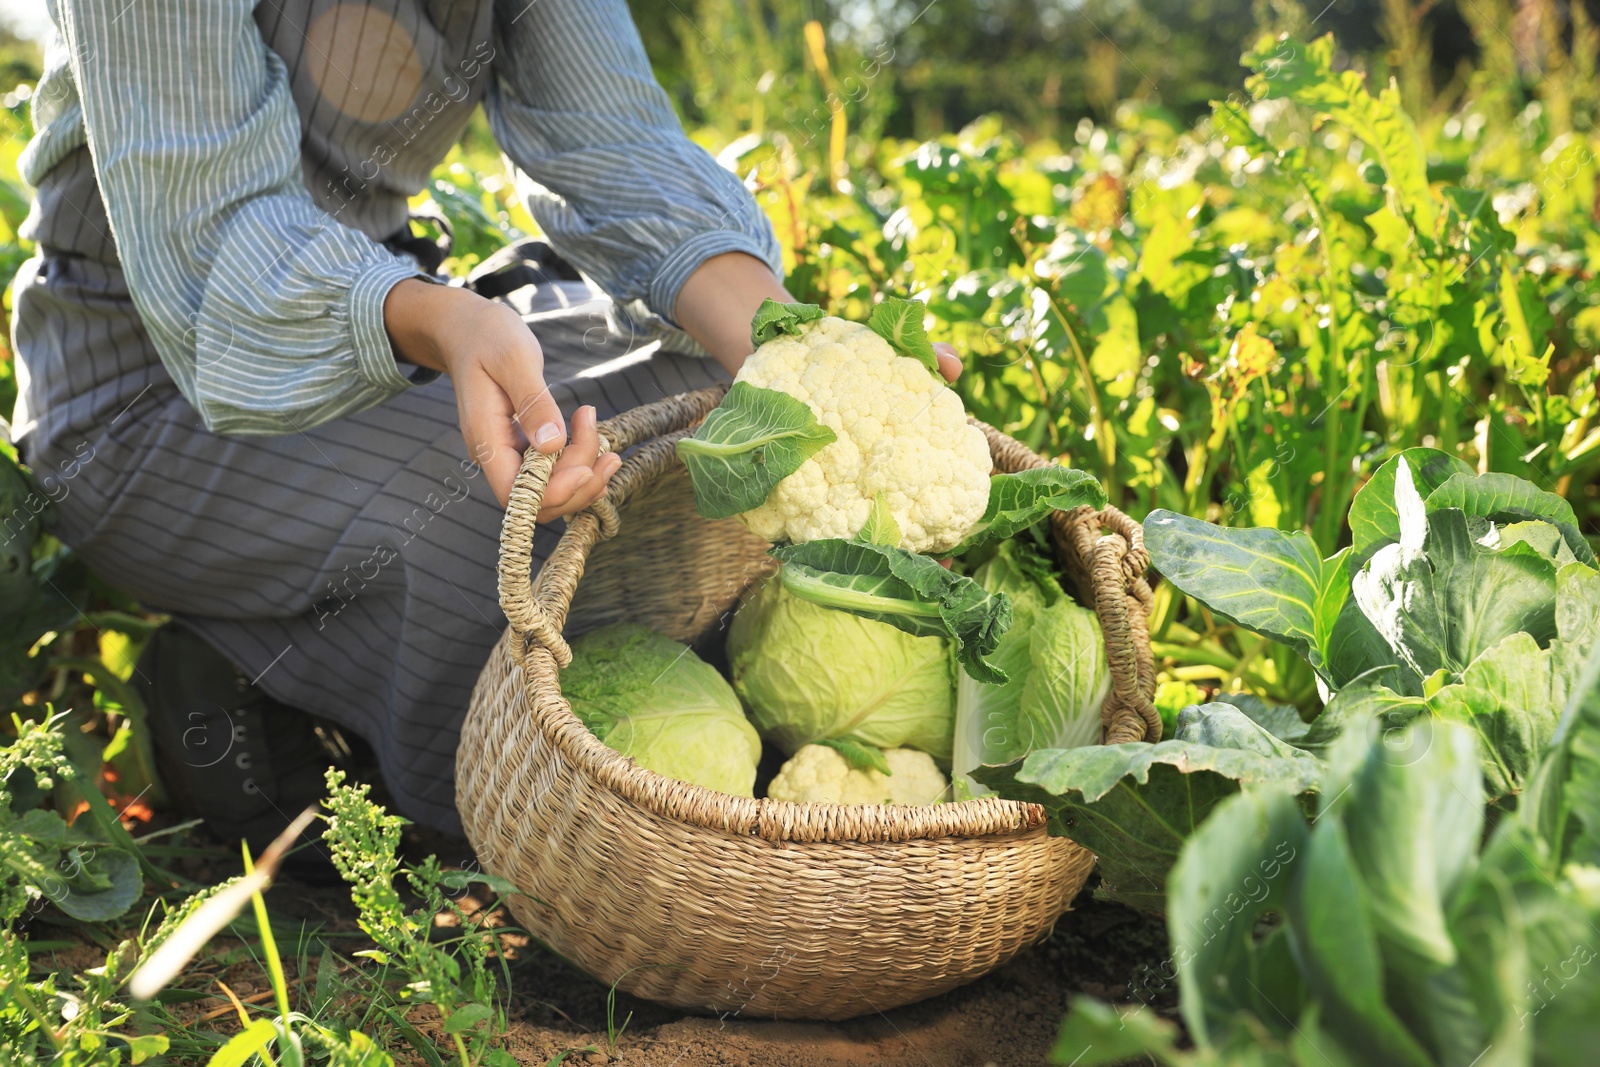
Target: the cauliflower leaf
(773, 318)
(749, 443)
(1022, 498)
(858, 754)
(900, 323)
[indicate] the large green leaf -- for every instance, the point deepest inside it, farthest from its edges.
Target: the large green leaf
(1374, 520)
(1511, 697)
(1440, 599)
(1234, 873)
(1562, 802)
(904, 589)
(1355, 648)
(1268, 581)
(1282, 721)
(1225, 725)
(1507, 498)
(1020, 499)
(1135, 804)
(749, 443)
(1369, 703)
(773, 318)
(1413, 821)
(900, 323)
(1336, 945)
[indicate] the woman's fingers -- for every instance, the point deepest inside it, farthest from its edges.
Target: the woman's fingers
(492, 438)
(522, 372)
(592, 489)
(949, 362)
(575, 469)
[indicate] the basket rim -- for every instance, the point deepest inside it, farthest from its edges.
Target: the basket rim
(658, 427)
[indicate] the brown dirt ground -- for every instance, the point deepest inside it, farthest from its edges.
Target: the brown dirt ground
(1007, 1019)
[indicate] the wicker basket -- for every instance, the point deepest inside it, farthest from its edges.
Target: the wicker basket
(716, 903)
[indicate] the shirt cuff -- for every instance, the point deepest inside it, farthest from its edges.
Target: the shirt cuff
(368, 335)
(686, 259)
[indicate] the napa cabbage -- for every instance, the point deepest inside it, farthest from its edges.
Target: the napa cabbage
(1054, 659)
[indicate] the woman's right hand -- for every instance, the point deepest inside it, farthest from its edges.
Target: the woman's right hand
(501, 398)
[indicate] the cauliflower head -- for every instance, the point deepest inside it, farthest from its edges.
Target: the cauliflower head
(902, 436)
(820, 774)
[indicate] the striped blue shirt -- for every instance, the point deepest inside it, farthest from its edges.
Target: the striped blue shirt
(247, 161)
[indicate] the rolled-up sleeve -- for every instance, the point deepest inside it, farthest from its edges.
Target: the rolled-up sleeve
(609, 174)
(267, 311)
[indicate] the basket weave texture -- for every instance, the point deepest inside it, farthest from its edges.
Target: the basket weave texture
(715, 903)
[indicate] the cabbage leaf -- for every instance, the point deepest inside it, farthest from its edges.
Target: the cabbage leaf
(906, 590)
(1135, 804)
(812, 675)
(656, 702)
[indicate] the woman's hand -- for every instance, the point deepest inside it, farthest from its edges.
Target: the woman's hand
(501, 397)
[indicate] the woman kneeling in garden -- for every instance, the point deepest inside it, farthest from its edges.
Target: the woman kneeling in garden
(287, 434)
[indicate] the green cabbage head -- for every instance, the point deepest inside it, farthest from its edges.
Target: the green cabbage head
(807, 673)
(656, 702)
(1055, 657)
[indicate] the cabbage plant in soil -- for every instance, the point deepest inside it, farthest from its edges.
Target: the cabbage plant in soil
(1380, 927)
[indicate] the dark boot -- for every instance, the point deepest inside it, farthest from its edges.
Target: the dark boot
(230, 754)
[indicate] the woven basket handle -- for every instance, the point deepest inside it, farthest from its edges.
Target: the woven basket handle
(538, 613)
(1111, 565)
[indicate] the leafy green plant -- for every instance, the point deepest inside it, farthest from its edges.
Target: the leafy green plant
(1376, 931)
(1475, 603)
(363, 841)
(90, 869)
(1136, 804)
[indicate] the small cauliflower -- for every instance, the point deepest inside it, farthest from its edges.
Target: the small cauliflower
(901, 437)
(821, 774)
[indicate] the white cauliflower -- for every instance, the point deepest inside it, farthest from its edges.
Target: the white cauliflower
(820, 773)
(902, 435)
